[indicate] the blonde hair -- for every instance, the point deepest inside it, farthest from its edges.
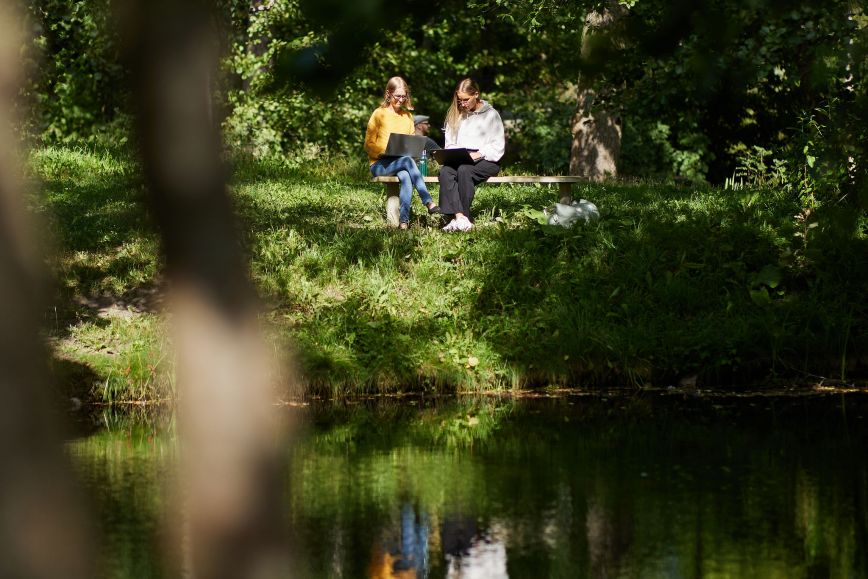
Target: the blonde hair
(453, 115)
(392, 85)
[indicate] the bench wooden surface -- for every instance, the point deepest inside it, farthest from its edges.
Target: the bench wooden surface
(564, 183)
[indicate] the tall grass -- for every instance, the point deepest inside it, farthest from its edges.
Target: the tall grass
(671, 282)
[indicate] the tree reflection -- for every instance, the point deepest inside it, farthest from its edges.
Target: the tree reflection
(666, 488)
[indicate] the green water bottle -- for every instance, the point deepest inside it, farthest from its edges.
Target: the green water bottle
(423, 163)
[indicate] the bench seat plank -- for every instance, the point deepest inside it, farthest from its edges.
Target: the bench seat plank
(503, 179)
(564, 183)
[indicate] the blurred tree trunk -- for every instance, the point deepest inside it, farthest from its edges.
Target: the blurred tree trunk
(42, 530)
(596, 134)
(229, 443)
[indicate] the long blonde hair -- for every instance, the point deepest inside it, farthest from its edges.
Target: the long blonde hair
(453, 115)
(392, 85)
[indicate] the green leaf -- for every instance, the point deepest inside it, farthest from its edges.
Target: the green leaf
(770, 276)
(760, 296)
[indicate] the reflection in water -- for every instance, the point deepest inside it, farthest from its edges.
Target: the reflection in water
(414, 541)
(486, 557)
(564, 488)
(407, 556)
(471, 553)
(609, 526)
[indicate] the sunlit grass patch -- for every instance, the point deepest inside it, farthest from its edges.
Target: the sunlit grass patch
(91, 204)
(111, 271)
(80, 164)
(128, 354)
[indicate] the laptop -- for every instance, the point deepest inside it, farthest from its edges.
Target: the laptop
(404, 146)
(454, 157)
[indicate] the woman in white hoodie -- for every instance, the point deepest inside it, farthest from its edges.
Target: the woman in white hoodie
(471, 123)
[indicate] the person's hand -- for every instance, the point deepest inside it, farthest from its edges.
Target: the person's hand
(476, 155)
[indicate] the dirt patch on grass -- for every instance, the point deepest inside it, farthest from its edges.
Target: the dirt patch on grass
(143, 299)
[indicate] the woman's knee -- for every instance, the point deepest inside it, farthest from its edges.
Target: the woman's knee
(446, 175)
(464, 171)
(377, 169)
(466, 180)
(406, 164)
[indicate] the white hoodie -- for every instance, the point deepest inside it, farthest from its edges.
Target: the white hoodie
(481, 129)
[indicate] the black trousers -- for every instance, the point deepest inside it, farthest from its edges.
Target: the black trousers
(458, 185)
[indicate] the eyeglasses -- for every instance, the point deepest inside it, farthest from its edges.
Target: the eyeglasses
(400, 97)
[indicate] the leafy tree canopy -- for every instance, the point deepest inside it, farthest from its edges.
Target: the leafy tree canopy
(705, 88)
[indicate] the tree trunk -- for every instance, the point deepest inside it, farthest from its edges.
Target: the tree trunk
(42, 524)
(596, 134)
(228, 433)
(596, 144)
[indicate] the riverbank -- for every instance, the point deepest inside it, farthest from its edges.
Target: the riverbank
(674, 286)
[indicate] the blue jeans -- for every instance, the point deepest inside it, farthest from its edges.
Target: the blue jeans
(408, 177)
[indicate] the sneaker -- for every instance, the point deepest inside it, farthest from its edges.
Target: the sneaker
(434, 209)
(462, 224)
(404, 225)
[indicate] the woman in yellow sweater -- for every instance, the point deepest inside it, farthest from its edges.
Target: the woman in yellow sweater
(394, 116)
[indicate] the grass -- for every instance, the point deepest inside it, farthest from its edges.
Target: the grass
(671, 282)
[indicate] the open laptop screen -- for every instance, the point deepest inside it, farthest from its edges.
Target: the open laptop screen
(404, 145)
(454, 157)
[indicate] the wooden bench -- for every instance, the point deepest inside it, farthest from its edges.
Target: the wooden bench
(564, 183)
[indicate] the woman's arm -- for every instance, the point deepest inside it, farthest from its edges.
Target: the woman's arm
(450, 138)
(372, 140)
(483, 132)
(495, 145)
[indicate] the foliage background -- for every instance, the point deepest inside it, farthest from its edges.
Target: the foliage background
(755, 91)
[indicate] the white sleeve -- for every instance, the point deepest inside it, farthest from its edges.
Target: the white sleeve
(495, 144)
(450, 137)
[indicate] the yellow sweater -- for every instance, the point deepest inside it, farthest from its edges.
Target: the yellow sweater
(383, 121)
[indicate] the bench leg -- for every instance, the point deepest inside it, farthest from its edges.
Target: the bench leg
(393, 205)
(566, 192)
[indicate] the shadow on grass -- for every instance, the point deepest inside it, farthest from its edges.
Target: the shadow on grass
(103, 244)
(91, 217)
(670, 286)
(372, 351)
(660, 290)
(72, 382)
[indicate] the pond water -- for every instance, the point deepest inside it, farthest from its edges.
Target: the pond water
(641, 486)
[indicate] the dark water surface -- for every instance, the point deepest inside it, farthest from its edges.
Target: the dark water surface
(645, 486)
